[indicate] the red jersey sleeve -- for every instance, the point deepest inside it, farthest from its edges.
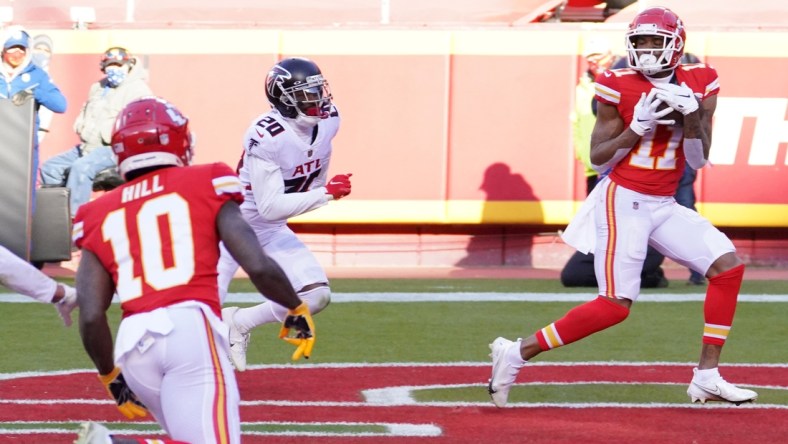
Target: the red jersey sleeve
(700, 77)
(157, 236)
(606, 87)
(226, 183)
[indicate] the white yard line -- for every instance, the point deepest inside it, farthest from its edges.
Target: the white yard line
(470, 297)
(312, 366)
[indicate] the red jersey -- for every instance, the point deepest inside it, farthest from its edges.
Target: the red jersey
(157, 235)
(656, 162)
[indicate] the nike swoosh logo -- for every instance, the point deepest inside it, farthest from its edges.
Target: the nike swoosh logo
(640, 120)
(335, 183)
(716, 390)
(607, 74)
(686, 96)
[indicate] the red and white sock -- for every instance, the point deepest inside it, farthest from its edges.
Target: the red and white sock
(580, 322)
(158, 441)
(720, 305)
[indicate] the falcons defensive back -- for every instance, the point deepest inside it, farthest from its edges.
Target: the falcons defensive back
(283, 170)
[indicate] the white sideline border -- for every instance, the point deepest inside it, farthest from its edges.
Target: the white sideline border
(339, 298)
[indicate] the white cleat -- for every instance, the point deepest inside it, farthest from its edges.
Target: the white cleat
(93, 433)
(718, 389)
(239, 342)
(503, 372)
(66, 305)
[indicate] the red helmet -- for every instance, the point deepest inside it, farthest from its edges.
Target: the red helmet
(656, 22)
(151, 132)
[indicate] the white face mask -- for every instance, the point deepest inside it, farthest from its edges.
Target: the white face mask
(116, 75)
(307, 121)
(648, 64)
(41, 59)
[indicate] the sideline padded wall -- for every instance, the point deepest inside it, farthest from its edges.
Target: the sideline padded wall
(16, 156)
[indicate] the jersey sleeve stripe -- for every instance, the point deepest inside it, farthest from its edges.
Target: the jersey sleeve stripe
(227, 184)
(712, 86)
(77, 231)
(607, 93)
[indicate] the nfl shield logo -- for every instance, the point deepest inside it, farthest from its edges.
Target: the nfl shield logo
(635, 205)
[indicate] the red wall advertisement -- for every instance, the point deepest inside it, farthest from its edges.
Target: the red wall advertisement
(449, 126)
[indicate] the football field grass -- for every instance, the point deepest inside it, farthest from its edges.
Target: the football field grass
(401, 360)
(34, 339)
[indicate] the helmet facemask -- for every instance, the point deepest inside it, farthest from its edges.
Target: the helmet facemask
(651, 61)
(311, 99)
(656, 22)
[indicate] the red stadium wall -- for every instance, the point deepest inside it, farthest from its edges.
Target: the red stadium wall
(451, 128)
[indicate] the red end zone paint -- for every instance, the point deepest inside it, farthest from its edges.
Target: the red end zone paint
(341, 388)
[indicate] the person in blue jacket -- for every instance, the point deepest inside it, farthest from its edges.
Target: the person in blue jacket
(21, 80)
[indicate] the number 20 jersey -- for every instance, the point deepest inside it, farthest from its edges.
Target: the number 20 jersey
(656, 162)
(294, 169)
(157, 236)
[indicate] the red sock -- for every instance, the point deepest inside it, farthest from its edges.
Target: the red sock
(581, 321)
(720, 305)
(158, 441)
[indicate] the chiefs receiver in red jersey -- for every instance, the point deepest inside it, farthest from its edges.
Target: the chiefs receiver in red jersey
(651, 117)
(154, 242)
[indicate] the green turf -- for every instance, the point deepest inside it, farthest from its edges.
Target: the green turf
(443, 331)
(34, 339)
(503, 286)
(585, 393)
(490, 285)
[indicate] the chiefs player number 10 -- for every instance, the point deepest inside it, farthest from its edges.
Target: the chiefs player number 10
(159, 275)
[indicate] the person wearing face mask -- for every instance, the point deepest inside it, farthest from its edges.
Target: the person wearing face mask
(284, 172)
(42, 55)
(20, 80)
(124, 81)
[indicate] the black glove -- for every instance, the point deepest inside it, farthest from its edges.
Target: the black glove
(127, 402)
(300, 320)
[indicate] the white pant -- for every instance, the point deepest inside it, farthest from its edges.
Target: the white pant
(184, 376)
(284, 247)
(627, 222)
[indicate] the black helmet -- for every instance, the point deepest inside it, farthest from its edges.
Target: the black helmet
(295, 86)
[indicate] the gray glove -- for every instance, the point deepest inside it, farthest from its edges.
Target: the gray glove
(21, 97)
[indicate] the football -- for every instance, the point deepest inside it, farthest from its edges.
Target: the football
(675, 115)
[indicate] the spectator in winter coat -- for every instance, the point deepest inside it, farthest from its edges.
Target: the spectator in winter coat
(42, 55)
(124, 81)
(20, 79)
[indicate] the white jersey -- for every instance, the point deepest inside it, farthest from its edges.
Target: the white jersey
(283, 175)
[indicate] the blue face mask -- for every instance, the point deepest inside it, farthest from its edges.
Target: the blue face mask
(115, 75)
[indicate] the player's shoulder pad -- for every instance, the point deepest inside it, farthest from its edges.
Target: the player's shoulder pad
(225, 181)
(606, 88)
(264, 133)
(701, 77)
(222, 169)
(331, 124)
(207, 171)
